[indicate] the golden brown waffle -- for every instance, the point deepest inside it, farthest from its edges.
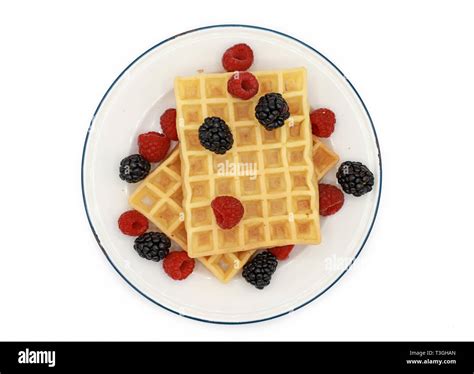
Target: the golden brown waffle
(159, 198)
(281, 203)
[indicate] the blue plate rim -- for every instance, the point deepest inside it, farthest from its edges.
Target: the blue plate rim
(166, 41)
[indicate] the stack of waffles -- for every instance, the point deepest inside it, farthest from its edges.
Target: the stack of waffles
(273, 173)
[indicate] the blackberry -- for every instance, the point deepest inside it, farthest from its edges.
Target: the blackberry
(355, 178)
(258, 272)
(272, 111)
(215, 135)
(134, 168)
(153, 246)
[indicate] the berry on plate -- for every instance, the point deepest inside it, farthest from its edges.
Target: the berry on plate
(153, 246)
(355, 178)
(215, 135)
(228, 211)
(237, 57)
(178, 265)
(242, 85)
(331, 199)
(282, 253)
(134, 168)
(258, 272)
(272, 111)
(153, 146)
(133, 223)
(322, 122)
(168, 123)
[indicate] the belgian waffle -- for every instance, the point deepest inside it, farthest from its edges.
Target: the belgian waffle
(281, 201)
(159, 197)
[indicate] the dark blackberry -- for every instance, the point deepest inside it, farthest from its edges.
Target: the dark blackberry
(215, 135)
(272, 111)
(134, 168)
(153, 246)
(258, 272)
(355, 178)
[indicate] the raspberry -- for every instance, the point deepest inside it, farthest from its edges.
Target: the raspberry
(133, 223)
(237, 57)
(178, 265)
(243, 85)
(153, 146)
(228, 211)
(281, 253)
(322, 122)
(331, 199)
(168, 123)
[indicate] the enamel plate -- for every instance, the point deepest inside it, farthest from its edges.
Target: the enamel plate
(134, 103)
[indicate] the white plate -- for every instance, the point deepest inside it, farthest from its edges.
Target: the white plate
(133, 104)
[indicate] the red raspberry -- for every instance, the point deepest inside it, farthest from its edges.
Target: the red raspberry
(178, 265)
(237, 57)
(331, 199)
(133, 223)
(153, 146)
(228, 211)
(283, 252)
(322, 122)
(243, 85)
(168, 123)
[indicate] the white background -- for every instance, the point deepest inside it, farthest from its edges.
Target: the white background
(411, 63)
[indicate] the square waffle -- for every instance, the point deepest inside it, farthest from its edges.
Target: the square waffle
(159, 198)
(281, 201)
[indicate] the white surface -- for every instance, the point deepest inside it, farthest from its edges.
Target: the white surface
(412, 64)
(134, 105)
